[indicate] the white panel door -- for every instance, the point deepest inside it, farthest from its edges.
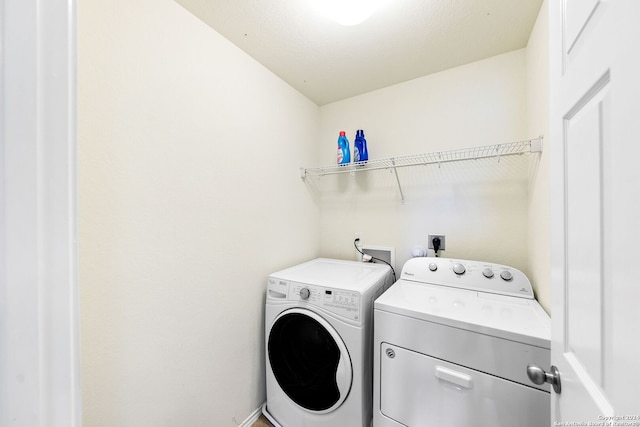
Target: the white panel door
(595, 143)
(39, 341)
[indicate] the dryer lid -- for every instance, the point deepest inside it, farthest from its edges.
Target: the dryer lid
(517, 319)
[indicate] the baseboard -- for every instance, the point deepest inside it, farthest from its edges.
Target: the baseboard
(252, 418)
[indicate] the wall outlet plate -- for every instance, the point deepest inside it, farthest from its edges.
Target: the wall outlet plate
(386, 253)
(433, 236)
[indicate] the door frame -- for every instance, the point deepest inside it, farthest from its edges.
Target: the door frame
(39, 327)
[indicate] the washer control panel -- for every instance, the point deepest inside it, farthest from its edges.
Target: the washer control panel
(466, 274)
(341, 302)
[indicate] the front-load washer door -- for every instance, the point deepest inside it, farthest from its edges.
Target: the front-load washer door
(309, 360)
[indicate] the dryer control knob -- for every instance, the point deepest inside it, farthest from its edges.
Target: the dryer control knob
(305, 293)
(506, 275)
(488, 273)
(459, 269)
(433, 266)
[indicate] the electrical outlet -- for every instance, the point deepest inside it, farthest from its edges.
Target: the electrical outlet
(433, 236)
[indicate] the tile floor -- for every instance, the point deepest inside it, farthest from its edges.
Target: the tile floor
(262, 422)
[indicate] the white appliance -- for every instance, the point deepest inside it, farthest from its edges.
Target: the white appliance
(452, 342)
(319, 334)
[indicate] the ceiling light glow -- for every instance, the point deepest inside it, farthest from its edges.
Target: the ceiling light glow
(347, 12)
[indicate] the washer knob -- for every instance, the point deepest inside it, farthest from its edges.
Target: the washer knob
(305, 293)
(458, 269)
(506, 275)
(488, 273)
(433, 266)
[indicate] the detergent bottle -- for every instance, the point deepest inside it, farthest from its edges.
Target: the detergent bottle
(360, 152)
(344, 155)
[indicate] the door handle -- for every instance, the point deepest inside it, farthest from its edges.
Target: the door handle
(458, 378)
(538, 376)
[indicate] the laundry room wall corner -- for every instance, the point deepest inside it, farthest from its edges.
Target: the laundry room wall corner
(539, 188)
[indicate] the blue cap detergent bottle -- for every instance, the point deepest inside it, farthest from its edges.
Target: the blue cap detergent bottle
(360, 152)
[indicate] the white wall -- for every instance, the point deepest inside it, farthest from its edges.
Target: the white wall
(189, 196)
(538, 120)
(481, 207)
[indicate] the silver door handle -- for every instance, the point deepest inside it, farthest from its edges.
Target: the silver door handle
(537, 375)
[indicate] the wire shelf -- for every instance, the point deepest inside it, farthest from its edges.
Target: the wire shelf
(437, 157)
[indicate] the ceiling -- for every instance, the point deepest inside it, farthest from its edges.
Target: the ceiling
(404, 40)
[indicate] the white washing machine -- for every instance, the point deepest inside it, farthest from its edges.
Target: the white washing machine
(319, 342)
(452, 341)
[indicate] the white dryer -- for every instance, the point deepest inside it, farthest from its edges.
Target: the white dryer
(319, 342)
(452, 341)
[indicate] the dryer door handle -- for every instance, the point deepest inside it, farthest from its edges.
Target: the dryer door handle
(343, 377)
(455, 377)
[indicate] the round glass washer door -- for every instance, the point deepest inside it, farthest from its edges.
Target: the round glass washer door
(309, 360)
